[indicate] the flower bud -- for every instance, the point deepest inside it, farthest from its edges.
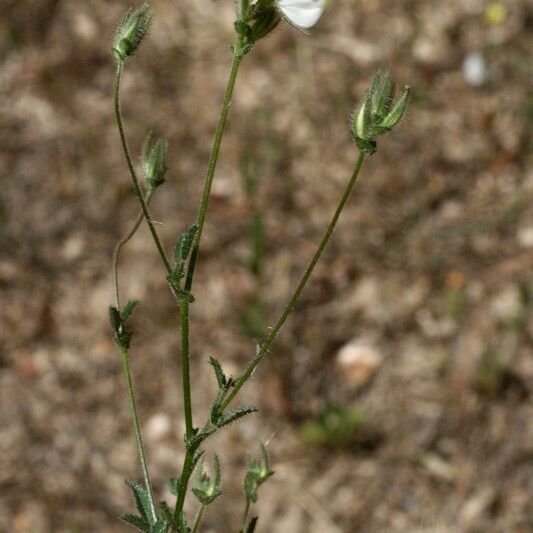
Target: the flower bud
(154, 161)
(207, 489)
(131, 30)
(376, 113)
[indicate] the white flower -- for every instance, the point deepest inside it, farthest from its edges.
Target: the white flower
(301, 13)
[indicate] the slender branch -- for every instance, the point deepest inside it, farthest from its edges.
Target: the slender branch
(198, 519)
(137, 430)
(292, 302)
(202, 212)
(135, 181)
(121, 244)
(185, 370)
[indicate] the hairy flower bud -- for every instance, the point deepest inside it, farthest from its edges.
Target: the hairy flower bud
(207, 489)
(131, 30)
(154, 161)
(377, 113)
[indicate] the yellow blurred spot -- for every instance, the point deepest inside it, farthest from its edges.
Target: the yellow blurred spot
(495, 13)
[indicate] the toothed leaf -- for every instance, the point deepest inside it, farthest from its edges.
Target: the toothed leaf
(136, 521)
(219, 373)
(234, 415)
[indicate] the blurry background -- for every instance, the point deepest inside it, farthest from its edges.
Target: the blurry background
(398, 397)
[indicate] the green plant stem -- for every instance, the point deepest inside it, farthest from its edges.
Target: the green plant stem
(245, 514)
(137, 430)
(135, 181)
(202, 212)
(185, 367)
(298, 291)
(121, 244)
(198, 519)
(186, 472)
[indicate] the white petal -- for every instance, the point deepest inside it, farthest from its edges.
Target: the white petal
(302, 13)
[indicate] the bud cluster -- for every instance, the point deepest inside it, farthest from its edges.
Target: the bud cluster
(376, 113)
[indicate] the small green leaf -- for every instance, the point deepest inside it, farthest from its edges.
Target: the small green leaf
(136, 521)
(128, 309)
(219, 373)
(234, 415)
(140, 495)
(174, 485)
(184, 244)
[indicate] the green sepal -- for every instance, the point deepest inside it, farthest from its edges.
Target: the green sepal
(265, 22)
(366, 146)
(137, 521)
(381, 95)
(396, 113)
(154, 161)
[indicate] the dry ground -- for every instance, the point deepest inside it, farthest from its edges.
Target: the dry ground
(428, 276)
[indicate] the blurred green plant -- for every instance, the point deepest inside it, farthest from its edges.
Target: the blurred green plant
(375, 115)
(336, 425)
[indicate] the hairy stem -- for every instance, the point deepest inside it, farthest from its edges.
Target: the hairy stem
(135, 181)
(184, 481)
(202, 213)
(185, 370)
(198, 519)
(298, 291)
(213, 159)
(121, 244)
(137, 430)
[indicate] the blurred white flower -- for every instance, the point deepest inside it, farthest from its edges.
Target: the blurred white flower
(301, 13)
(475, 70)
